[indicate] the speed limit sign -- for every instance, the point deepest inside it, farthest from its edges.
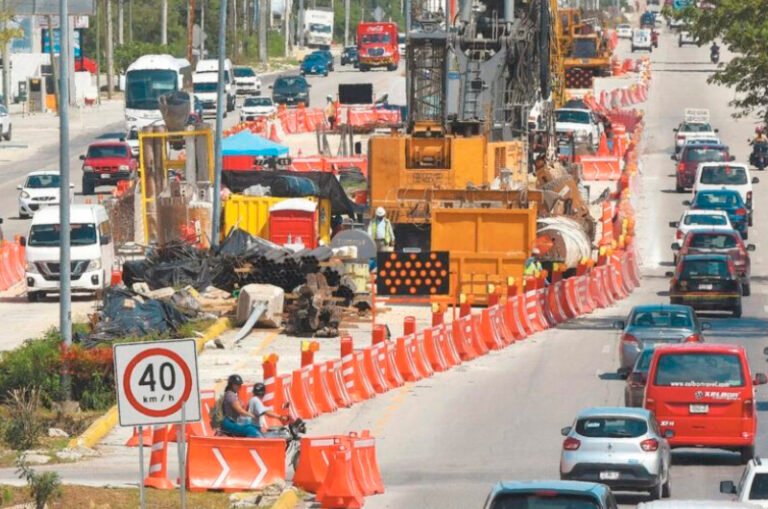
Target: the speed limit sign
(155, 380)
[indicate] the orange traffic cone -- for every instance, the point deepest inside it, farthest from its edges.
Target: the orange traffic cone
(158, 461)
(146, 437)
(602, 148)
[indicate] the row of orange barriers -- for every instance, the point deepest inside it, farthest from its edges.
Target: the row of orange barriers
(12, 263)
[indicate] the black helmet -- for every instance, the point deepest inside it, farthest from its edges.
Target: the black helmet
(234, 380)
(259, 389)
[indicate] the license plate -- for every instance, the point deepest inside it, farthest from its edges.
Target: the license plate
(705, 287)
(105, 175)
(609, 476)
(698, 409)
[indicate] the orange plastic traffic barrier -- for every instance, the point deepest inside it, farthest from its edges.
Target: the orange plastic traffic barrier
(234, 464)
(336, 383)
(604, 279)
(269, 373)
(512, 317)
(433, 350)
(522, 314)
(146, 437)
(373, 363)
(362, 449)
(283, 403)
(462, 337)
(544, 305)
(563, 293)
(595, 289)
(348, 370)
(314, 460)
(572, 296)
(447, 345)
(478, 340)
(404, 359)
(321, 390)
(369, 452)
(158, 461)
(419, 355)
(493, 337)
(362, 383)
(301, 394)
(339, 489)
(201, 428)
(532, 309)
(554, 304)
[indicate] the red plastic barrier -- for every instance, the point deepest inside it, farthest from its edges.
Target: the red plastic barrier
(301, 394)
(420, 356)
(447, 345)
(404, 360)
(462, 336)
(375, 367)
(600, 167)
(314, 461)
(512, 313)
(202, 428)
(394, 377)
(340, 488)
(321, 390)
(336, 383)
(478, 342)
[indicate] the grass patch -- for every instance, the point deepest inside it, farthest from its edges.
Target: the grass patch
(115, 498)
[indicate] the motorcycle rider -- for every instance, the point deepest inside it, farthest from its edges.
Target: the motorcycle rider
(236, 421)
(714, 51)
(759, 136)
(257, 408)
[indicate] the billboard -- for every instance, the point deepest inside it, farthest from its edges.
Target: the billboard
(57, 41)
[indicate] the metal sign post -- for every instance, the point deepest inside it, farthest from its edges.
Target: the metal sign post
(142, 502)
(182, 445)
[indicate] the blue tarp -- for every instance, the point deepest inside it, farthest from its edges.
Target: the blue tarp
(245, 143)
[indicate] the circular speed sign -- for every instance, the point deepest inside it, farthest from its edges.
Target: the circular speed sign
(157, 382)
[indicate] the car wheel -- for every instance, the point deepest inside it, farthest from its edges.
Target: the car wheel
(666, 488)
(7, 136)
(34, 296)
(749, 223)
(745, 235)
(747, 453)
(736, 313)
(633, 49)
(23, 215)
(325, 73)
(657, 491)
(679, 188)
(746, 290)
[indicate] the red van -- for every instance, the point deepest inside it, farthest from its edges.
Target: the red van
(703, 395)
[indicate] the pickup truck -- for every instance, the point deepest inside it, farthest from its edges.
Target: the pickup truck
(753, 485)
(106, 163)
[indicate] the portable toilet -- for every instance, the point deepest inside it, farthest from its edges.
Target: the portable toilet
(294, 221)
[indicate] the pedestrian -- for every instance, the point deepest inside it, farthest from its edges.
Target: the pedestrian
(330, 112)
(236, 421)
(380, 230)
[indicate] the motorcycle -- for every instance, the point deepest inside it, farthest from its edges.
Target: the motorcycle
(759, 156)
(714, 55)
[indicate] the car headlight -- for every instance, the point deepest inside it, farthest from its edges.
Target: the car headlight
(24, 194)
(123, 167)
(131, 119)
(32, 268)
(93, 265)
(87, 168)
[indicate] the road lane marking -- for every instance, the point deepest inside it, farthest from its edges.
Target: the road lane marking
(606, 349)
(391, 408)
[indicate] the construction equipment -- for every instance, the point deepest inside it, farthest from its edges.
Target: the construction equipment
(587, 54)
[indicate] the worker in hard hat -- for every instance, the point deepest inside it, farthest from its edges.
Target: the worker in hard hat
(381, 231)
(330, 112)
(532, 266)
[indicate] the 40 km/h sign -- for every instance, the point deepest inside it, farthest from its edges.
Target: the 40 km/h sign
(155, 380)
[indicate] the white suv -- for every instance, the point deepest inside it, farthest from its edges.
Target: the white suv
(584, 125)
(735, 176)
(753, 485)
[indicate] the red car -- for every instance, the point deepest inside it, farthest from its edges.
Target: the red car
(691, 156)
(703, 395)
(106, 163)
(716, 240)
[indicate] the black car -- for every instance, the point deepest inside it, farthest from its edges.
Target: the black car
(706, 283)
(327, 55)
(290, 90)
(349, 56)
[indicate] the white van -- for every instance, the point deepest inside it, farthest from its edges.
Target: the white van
(211, 66)
(92, 251)
(642, 40)
(696, 504)
(204, 87)
(735, 176)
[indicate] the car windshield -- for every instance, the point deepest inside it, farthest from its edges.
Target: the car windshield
(244, 72)
(584, 48)
(543, 499)
(662, 318)
(724, 175)
(624, 27)
(293, 84)
(705, 220)
(611, 427)
(704, 269)
(696, 127)
(104, 151)
(314, 59)
(718, 200)
(759, 488)
(47, 235)
(201, 88)
(699, 370)
(573, 116)
(143, 87)
(318, 28)
(705, 154)
(41, 181)
(375, 38)
(257, 101)
(713, 241)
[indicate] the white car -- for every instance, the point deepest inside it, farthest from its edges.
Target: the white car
(686, 37)
(735, 176)
(753, 485)
(624, 31)
(695, 124)
(642, 40)
(257, 107)
(247, 81)
(584, 125)
(5, 123)
(673, 22)
(692, 219)
(132, 139)
(40, 189)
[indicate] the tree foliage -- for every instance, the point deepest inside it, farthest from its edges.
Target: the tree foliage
(742, 25)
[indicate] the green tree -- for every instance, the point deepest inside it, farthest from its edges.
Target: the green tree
(742, 25)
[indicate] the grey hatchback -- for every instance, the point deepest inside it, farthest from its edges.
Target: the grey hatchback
(550, 495)
(652, 324)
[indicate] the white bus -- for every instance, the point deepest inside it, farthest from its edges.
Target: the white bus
(146, 79)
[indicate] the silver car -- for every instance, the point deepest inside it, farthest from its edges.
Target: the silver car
(653, 324)
(620, 447)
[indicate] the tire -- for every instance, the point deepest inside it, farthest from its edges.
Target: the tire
(363, 68)
(34, 296)
(736, 313)
(88, 188)
(22, 215)
(746, 290)
(745, 235)
(392, 67)
(633, 49)
(666, 489)
(679, 188)
(746, 454)
(7, 136)
(325, 73)
(591, 141)
(657, 491)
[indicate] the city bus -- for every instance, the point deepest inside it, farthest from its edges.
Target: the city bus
(146, 79)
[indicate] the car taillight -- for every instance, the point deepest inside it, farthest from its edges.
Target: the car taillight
(678, 235)
(741, 212)
(749, 408)
(628, 338)
(571, 444)
(650, 404)
(681, 167)
(649, 445)
(749, 197)
(693, 338)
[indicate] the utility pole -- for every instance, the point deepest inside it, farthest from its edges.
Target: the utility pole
(120, 22)
(6, 60)
(346, 22)
(130, 20)
(190, 25)
(110, 63)
(286, 27)
(263, 31)
(202, 29)
(98, 48)
(219, 125)
(164, 23)
(54, 74)
(300, 29)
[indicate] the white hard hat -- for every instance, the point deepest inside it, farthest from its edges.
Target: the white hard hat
(535, 250)
(329, 97)
(380, 212)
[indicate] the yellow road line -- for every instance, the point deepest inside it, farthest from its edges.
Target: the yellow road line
(389, 411)
(268, 340)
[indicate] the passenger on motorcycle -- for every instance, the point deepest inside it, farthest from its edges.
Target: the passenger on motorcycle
(759, 137)
(257, 408)
(236, 420)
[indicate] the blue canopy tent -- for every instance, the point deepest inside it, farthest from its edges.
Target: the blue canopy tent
(245, 143)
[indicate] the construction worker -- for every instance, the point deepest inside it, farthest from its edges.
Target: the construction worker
(257, 408)
(381, 231)
(330, 112)
(532, 266)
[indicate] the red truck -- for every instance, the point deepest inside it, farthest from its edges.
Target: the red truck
(106, 163)
(377, 46)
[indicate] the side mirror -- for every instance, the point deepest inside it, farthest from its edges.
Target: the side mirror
(71, 186)
(82, 157)
(765, 350)
(674, 130)
(687, 203)
(717, 130)
(636, 378)
(358, 148)
(19, 187)
(564, 431)
(760, 379)
(619, 324)
(751, 247)
(755, 180)
(727, 487)
(669, 274)
(706, 325)
(22, 241)
(675, 247)
(732, 158)
(105, 240)
(673, 157)
(270, 86)
(674, 224)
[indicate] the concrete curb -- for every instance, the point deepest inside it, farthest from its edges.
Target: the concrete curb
(104, 424)
(287, 500)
